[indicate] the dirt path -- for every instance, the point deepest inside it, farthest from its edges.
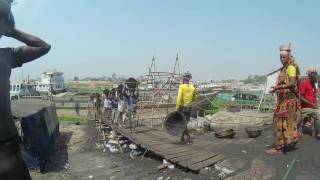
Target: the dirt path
(78, 156)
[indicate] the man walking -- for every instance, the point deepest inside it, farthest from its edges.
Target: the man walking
(186, 95)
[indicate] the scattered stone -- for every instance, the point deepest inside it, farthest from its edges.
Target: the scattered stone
(224, 170)
(133, 146)
(205, 171)
(135, 153)
(111, 141)
(171, 166)
(192, 124)
(90, 176)
(113, 134)
(164, 161)
(99, 145)
(221, 175)
(113, 149)
(162, 166)
(67, 166)
(114, 166)
(160, 178)
(244, 152)
(235, 164)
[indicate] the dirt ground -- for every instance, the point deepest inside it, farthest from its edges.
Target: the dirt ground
(71, 112)
(78, 155)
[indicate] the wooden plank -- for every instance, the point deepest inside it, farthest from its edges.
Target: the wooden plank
(169, 138)
(175, 148)
(159, 134)
(175, 152)
(143, 131)
(164, 148)
(197, 159)
(164, 139)
(151, 139)
(183, 158)
(153, 143)
(187, 153)
(206, 163)
(162, 144)
(147, 139)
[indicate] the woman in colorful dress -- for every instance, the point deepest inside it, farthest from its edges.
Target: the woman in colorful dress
(285, 117)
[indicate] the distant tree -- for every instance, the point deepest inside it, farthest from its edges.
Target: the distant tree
(228, 81)
(256, 79)
(76, 78)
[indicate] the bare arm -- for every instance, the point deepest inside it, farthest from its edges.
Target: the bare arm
(34, 48)
(314, 106)
(290, 85)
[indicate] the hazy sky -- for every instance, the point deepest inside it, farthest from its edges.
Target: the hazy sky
(215, 39)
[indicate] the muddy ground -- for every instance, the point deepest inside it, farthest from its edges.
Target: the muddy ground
(77, 156)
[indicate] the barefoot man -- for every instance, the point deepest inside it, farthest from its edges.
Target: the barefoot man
(186, 95)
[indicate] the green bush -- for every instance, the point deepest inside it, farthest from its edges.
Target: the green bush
(69, 119)
(216, 105)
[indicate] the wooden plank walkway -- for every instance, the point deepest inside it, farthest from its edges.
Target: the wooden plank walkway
(192, 157)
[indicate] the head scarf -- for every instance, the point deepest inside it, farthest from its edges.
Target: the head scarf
(286, 49)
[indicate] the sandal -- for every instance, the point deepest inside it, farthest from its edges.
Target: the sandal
(273, 151)
(189, 142)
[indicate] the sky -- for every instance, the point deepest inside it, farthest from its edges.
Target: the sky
(215, 39)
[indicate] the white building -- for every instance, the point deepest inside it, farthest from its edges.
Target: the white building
(54, 80)
(20, 89)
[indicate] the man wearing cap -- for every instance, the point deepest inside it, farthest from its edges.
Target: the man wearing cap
(286, 111)
(308, 96)
(12, 165)
(186, 95)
